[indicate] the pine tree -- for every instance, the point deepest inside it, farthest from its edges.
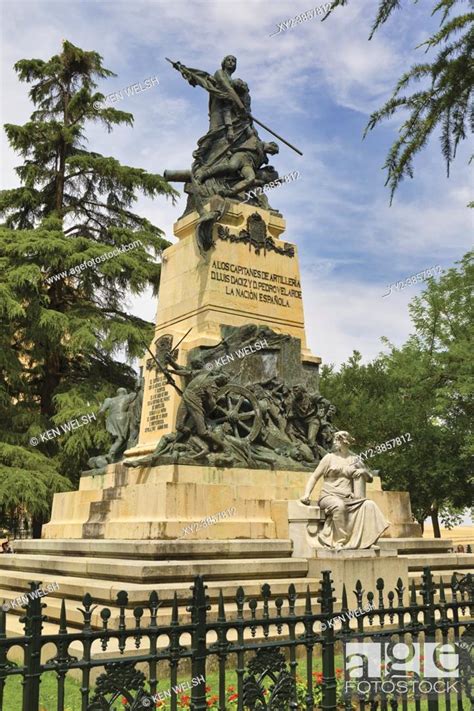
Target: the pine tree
(28, 481)
(445, 98)
(63, 312)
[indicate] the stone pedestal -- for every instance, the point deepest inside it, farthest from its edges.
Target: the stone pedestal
(304, 524)
(346, 566)
(250, 277)
(395, 506)
(160, 503)
(233, 284)
(349, 566)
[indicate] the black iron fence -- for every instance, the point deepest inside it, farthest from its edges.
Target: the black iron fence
(281, 655)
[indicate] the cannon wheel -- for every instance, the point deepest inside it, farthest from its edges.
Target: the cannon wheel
(238, 406)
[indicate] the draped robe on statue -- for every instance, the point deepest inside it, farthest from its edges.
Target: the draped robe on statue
(225, 95)
(350, 522)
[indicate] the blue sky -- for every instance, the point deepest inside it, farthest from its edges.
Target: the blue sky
(316, 84)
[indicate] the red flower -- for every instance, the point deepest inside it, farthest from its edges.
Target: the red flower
(208, 688)
(123, 700)
(233, 697)
(231, 688)
(185, 699)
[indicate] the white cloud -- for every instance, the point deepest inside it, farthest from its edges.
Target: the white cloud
(314, 84)
(350, 315)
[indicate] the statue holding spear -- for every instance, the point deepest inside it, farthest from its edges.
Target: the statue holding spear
(230, 158)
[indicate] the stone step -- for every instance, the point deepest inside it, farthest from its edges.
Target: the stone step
(17, 582)
(75, 619)
(156, 550)
(441, 561)
(436, 577)
(406, 546)
(131, 570)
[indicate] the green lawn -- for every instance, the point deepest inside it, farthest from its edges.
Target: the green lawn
(48, 694)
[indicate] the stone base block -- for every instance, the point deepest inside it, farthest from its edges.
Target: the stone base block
(403, 530)
(70, 512)
(303, 525)
(169, 502)
(396, 507)
(349, 566)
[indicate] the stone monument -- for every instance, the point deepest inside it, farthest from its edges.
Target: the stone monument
(232, 416)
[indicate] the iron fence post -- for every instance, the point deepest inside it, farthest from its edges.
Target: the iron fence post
(199, 617)
(329, 699)
(4, 664)
(428, 592)
(33, 620)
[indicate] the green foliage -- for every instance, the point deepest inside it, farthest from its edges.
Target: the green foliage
(28, 480)
(426, 389)
(451, 516)
(445, 98)
(65, 326)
